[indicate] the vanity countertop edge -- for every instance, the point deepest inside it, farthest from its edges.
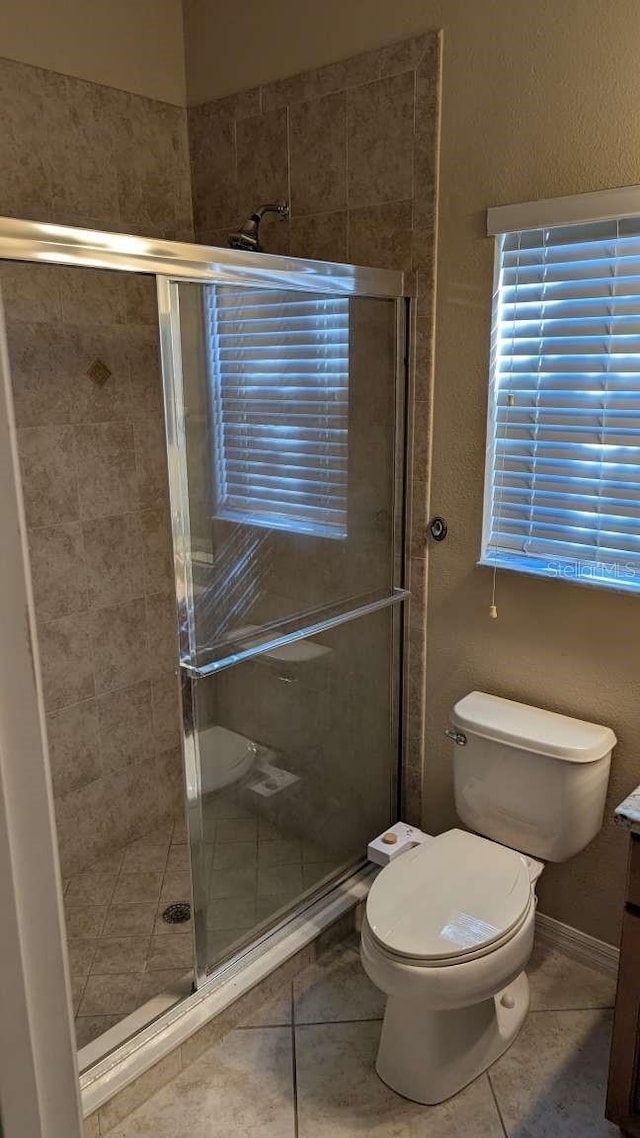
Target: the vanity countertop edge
(627, 814)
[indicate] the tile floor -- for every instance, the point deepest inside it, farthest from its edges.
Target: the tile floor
(121, 951)
(304, 1068)
(255, 869)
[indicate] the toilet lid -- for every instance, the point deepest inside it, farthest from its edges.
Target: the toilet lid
(455, 894)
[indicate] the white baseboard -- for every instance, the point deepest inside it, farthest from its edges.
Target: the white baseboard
(578, 945)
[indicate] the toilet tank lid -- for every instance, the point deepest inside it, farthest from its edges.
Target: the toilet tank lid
(532, 728)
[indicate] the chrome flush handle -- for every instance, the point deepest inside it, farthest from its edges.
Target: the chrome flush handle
(457, 737)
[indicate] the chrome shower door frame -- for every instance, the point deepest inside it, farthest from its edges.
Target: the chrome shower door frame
(171, 262)
(349, 280)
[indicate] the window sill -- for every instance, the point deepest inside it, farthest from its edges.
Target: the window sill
(571, 572)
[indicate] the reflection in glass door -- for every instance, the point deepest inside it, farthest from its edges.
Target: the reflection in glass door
(285, 431)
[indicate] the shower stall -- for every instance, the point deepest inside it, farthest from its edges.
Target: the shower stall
(284, 385)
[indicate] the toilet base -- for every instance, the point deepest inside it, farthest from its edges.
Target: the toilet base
(427, 1056)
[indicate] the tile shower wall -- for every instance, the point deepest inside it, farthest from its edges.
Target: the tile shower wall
(353, 148)
(92, 453)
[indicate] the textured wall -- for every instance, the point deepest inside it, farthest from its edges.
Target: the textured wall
(353, 148)
(136, 47)
(538, 100)
(92, 456)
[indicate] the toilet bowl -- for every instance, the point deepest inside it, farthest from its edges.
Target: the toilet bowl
(225, 758)
(449, 924)
(447, 934)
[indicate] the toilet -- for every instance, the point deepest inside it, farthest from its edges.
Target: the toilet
(449, 924)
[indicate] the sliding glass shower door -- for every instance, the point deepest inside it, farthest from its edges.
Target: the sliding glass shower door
(284, 408)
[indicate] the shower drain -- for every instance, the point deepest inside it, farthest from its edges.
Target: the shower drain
(177, 913)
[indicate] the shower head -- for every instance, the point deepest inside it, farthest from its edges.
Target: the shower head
(247, 237)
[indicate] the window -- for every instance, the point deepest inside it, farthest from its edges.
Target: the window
(279, 365)
(562, 495)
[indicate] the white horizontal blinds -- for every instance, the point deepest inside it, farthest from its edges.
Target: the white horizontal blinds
(280, 388)
(565, 486)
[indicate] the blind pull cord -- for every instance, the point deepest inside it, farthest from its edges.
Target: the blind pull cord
(493, 608)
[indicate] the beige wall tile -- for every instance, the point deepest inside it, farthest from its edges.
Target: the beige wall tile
(148, 167)
(47, 463)
(106, 469)
(380, 141)
(318, 154)
(151, 462)
(91, 296)
(83, 825)
(125, 726)
(166, 712)
(40, 374)
(145, 373)
(65, 659)
(321, 235)
(141, 299)
(170, 781)
(27, 95)
(30, 292)
(155, 536)
(162, 634)
(114, 561)
(74, 746)
(118, 645)
(58, 570)
(83, 176)
(262, 160)
(213, 162)
(380, 236)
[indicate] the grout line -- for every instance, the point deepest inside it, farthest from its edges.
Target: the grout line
(337, 1022)
(497, 1105)
(294, 1063)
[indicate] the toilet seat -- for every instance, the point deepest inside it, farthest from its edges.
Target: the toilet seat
(451, 900)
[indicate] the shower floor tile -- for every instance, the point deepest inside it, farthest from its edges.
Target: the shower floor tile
(122, 952)
(117, 957)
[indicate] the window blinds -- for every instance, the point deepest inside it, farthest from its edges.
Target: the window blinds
(280, 389)
(563, 473)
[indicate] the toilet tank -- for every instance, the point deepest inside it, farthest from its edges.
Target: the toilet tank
(529, 778)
